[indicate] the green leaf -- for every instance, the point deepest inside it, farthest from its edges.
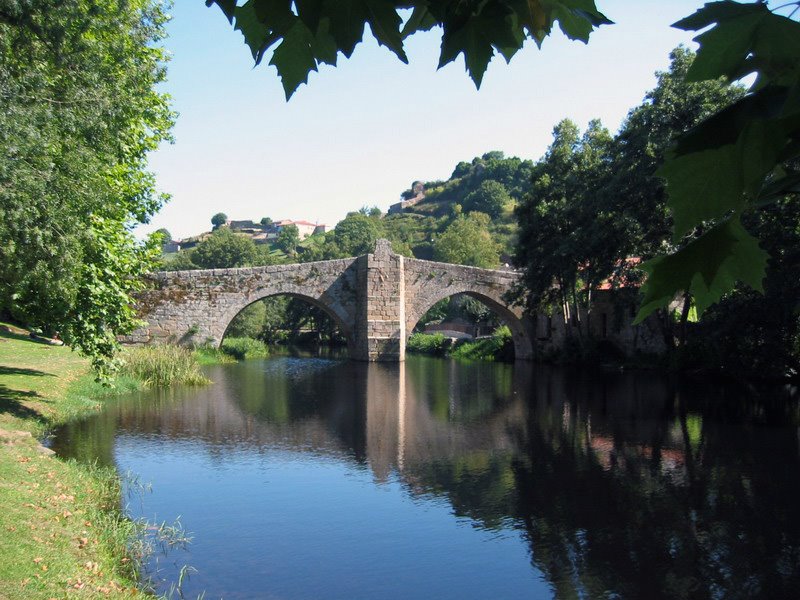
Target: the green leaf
(421, 20)
(294, 57)
(255, 35)
(385, 25)
(227, 6)
(724, 49)
(708, 184)
(707, 268)
(713, 12)
(471, 41)
(325, 49)
(578, 18)
(310, 12)
(347, 18)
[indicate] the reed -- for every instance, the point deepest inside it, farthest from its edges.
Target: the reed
(163, 365)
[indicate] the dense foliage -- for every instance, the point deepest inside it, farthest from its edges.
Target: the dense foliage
(78, 115)
(307, 34)
(466, 241)
(597, 201)
(736, 161)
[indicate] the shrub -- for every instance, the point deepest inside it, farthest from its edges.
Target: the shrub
(498, 347)
(163, 365)
(427, 343)
(244, 348)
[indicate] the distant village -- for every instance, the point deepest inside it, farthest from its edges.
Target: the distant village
(264, 232)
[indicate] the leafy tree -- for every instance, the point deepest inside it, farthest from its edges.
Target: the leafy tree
(737, 161)
(356, 234)
(166, 236)
(78, 115)
(218, 220)
(316, 32)
(249, 322)
(612, 205)
(491, 198)
(563, 247)
(288, 239)
(266, 222)
(466, 241)
(224, 249)
(182, 261)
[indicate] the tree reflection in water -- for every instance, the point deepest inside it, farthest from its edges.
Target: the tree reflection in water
(624, 485)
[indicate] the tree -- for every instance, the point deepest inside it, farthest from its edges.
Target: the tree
(266, 222)
(306, 35)
(166, 236)
(218, 220)
(224, 249)
(466, 241)
(563, 246)
(78, 115)
(288, 239)
(491, 198)
(249, 322)
(356, 234)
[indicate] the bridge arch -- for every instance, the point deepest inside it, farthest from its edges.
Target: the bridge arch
(342, 320)
(517, 323)
(426, 283)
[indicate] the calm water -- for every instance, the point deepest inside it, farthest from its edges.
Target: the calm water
(312, 478)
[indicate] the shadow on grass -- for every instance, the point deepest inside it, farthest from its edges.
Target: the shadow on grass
(6, 370)
(5, 333)
(11, 402)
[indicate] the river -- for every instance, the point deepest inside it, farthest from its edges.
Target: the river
(316, 478)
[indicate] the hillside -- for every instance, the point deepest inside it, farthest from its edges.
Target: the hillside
(491, 183)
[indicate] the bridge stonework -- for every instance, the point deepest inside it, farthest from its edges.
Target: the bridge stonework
(376, 300)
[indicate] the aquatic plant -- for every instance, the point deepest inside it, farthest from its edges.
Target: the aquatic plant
(163, 365)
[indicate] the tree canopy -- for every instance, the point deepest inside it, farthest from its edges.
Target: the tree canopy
(466, 241)
(78, 115)
(219, 219)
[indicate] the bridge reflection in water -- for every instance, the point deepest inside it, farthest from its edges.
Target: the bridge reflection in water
(621, 485)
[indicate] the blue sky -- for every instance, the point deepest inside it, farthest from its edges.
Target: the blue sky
(360, 133)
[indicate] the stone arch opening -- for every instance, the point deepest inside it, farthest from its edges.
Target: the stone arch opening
(340, 322)
(513, 318)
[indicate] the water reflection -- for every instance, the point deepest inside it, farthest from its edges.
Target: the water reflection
(615, 485)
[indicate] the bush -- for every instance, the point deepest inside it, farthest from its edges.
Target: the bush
(498, 347)
(163, 365)
(210, 355)
(428, 343)
(244, 348)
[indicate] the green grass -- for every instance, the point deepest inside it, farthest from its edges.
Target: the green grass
(163, 365)
(61, 532)
(208, 355)
(244, 348)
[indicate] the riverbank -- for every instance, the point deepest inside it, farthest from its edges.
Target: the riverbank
(497, 347)
(62, 532)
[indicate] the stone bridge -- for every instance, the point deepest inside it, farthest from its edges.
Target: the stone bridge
(376, 300)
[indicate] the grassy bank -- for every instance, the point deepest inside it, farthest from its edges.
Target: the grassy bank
(62, 534)
(61, 531)
(499, 346)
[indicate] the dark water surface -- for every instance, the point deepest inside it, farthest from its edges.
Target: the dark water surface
(312, 478)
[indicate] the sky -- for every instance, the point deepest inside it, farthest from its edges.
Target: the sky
(360, 133)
